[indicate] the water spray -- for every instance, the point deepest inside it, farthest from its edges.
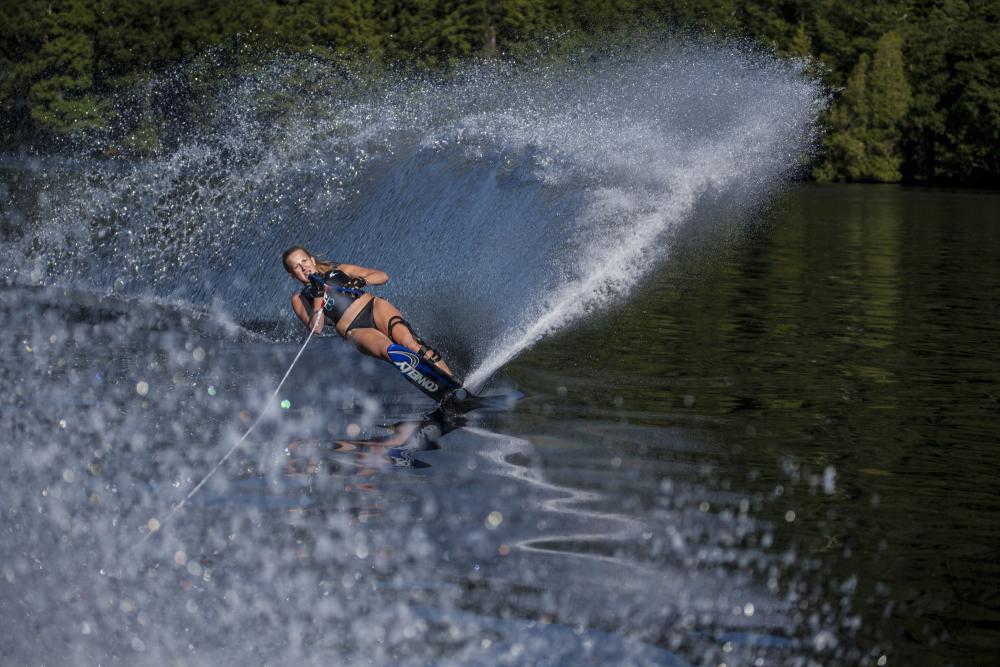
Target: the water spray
(154, 525)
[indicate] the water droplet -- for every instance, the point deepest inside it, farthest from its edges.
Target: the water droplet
(829, 480)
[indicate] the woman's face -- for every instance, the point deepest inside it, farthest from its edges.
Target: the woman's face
(301, 265)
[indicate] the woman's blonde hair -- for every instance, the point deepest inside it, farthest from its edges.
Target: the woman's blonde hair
(322, 265)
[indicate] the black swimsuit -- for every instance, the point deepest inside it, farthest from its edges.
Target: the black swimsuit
(340, 298)
(365, 319)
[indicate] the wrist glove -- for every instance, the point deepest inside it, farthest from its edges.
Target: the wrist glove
(316, 289)
(356, 283)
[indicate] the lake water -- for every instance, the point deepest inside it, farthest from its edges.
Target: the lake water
(781, 449)
(838, 367)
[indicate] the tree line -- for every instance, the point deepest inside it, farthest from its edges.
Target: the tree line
(916, 82)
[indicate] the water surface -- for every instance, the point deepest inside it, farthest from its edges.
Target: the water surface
(836, 367)
(780, 450)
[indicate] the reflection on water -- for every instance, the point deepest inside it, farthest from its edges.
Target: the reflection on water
(837, 369)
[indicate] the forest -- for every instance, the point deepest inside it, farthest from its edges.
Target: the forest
(914, 84)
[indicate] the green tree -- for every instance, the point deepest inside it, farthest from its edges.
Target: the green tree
(847, 123)
(953, 133)
(21, 39)
(60, 96)
(341, 28)
(889, 99)
(800, 45)
(67, 65)
(512, 22)
(435, 33)
(864, 138)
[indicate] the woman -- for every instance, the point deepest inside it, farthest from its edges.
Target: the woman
(333, 294)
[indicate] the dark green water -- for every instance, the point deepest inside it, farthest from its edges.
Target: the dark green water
(835, 367)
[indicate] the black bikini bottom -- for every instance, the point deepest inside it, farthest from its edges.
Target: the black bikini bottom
(365, 319)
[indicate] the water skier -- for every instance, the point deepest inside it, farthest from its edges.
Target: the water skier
(334, 295)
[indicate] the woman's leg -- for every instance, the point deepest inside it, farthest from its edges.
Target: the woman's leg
(371, 342)
(401, 333)
(376, 344)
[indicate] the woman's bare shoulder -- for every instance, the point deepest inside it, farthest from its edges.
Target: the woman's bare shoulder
(350, 269)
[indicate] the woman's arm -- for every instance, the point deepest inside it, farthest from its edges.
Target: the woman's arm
(371, 276)
(302, 310)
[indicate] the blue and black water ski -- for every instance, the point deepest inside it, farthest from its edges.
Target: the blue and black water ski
(452, 398)
(423, 374)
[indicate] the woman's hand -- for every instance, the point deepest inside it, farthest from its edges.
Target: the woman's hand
(358, 282)
(370, 276)
(316, 289)
(310, 314)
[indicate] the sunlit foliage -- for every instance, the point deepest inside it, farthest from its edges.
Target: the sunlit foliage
(930, 68)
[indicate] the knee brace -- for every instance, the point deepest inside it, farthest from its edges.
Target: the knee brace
(434, 355)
